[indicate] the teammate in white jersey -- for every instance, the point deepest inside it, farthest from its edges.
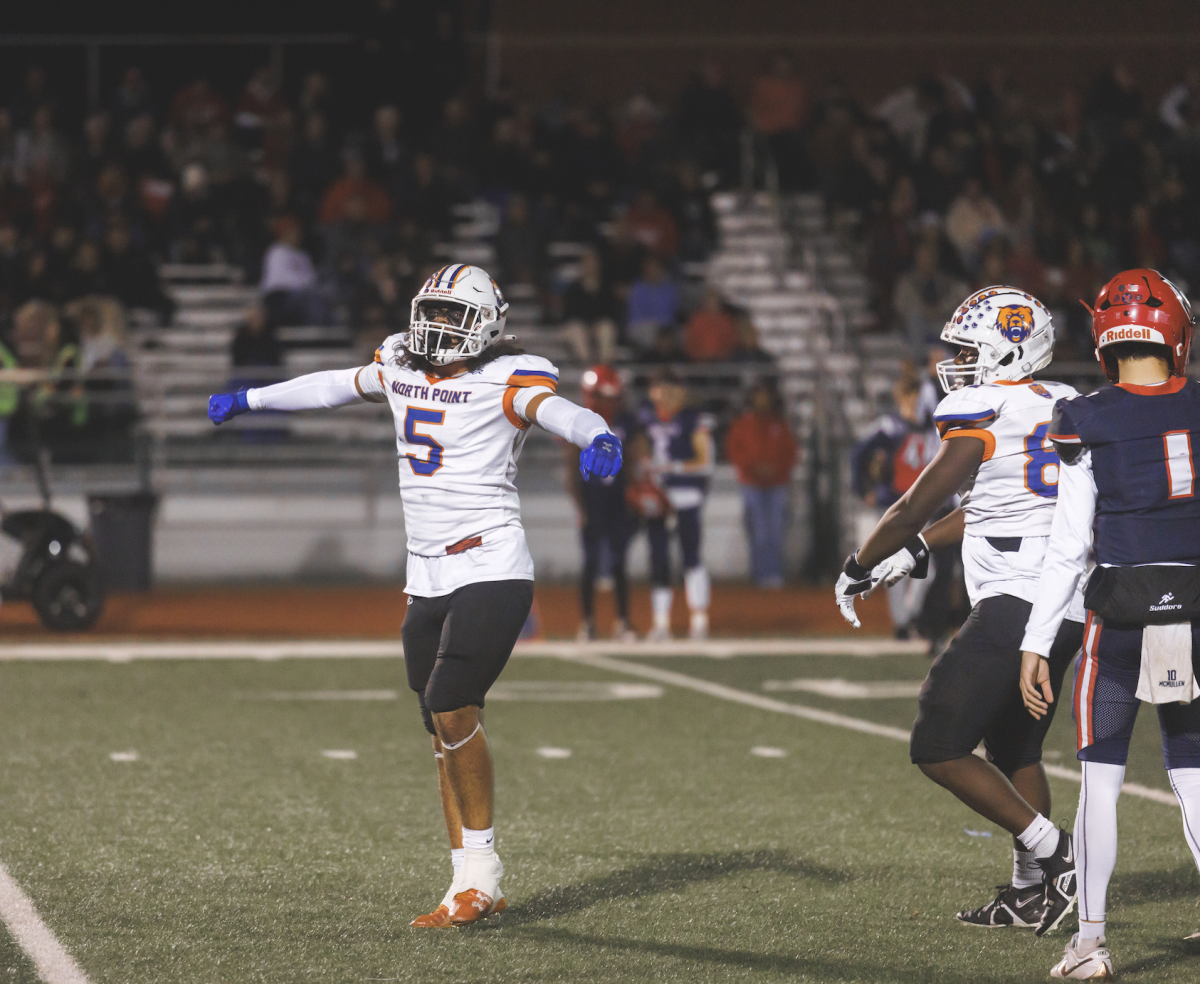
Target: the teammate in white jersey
(995, 454)
(463, 396)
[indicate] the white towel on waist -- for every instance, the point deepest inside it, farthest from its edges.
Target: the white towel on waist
(1167, 676)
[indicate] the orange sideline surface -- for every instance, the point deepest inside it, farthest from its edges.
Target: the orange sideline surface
(376, 612)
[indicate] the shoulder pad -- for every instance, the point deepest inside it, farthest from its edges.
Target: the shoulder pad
(389, 351)
(969, 406)
(1063, 432)
(527, 370)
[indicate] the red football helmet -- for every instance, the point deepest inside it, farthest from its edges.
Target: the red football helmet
(1143, 306)
(601, 380)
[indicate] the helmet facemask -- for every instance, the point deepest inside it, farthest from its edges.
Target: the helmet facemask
(446, 331)
(962, 370)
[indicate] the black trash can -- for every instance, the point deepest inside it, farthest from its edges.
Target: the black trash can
(123, 531)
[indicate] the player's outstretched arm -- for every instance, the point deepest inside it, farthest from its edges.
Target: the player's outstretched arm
(315, 391)
(957, 459)
(601, 449)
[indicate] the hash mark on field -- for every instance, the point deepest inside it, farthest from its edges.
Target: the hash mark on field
(572, 690)
(554, 753)
(816, 714)
(767, 752)
(341, 754)
(53, 963)
(841, 689)
(123, 756)
(322, 695)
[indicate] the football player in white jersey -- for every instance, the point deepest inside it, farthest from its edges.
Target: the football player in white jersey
(463, 396)
(995, 454)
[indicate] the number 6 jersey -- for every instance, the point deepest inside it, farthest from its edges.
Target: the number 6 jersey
(1009, 502)
(458, 440)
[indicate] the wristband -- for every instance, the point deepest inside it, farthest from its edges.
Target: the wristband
(854, 570)
(918, 548)
(242, 399)
(920, 554)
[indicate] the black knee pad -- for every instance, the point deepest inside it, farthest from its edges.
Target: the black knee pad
(426, 714)
(456, 683)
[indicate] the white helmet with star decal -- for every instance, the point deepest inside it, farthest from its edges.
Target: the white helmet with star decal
(1009, 331)
(457, 313)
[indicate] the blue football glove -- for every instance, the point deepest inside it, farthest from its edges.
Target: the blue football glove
(601, 458)
(225, 406)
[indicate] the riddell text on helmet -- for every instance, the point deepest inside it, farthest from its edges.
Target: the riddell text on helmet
(1131, 333)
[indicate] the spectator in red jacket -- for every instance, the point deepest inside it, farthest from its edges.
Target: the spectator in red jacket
(761, 445)
(711, 334)
(355, 197)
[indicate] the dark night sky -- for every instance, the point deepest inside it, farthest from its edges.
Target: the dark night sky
(186, 16)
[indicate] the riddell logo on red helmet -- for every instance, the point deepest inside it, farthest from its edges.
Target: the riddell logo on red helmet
(1131, 333)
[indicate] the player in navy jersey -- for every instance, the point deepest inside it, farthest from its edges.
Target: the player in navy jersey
(1127, 489)
(682, 451)
(607, 519)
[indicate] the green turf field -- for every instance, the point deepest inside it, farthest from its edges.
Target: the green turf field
(232, 850)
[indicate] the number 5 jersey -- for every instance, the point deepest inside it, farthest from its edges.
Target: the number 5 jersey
(458, 440)
(1009, 502)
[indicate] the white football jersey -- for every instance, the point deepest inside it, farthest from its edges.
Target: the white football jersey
(1011, 499)
(458, 440)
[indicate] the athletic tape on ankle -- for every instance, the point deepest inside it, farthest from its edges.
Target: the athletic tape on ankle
(454, 746)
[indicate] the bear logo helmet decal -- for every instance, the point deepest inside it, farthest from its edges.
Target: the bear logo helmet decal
(1015, 322)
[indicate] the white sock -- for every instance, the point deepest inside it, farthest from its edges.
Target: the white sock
(699, 621)
(1186, 783)
(1091, 935)
(1040, 837)
(660, 602)
(697, 588)
(457, 854)
(479, 840)
(1026, 874)
(1096, 842)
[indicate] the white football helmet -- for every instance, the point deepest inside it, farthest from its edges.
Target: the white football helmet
(457, 314)
(1010, 331)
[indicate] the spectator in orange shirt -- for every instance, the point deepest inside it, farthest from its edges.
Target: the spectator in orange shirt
(761, 446)
(355, 197)
(778, 109)
(711, 334)
(652, 226)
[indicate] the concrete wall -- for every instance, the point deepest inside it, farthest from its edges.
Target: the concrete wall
(209, 537)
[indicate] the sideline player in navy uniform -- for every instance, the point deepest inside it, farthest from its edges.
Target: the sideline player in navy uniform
(993, 422)
(683, 454)
(607, 518)
(1129, 473)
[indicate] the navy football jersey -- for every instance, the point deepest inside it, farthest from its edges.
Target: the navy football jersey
(673, 443)
(1142, 441)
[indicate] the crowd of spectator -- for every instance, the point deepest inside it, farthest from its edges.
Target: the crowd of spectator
(955, 187)
(336, 214)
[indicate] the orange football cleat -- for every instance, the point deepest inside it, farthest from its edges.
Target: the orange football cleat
(472, 906)
(438, 919)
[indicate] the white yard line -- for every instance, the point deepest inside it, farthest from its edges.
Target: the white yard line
(822, 717)
(124, 652)
(54, 964)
